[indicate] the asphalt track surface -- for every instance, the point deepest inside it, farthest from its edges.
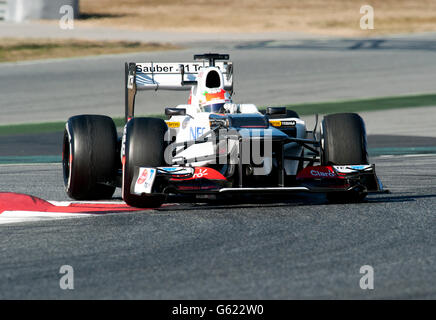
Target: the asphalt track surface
(300, 247)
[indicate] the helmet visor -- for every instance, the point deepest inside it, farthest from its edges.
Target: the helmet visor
(214, 108)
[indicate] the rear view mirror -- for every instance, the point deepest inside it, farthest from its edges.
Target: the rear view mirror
(175, 112)
(275, 110)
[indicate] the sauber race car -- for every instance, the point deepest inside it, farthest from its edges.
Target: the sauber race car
(211, 146)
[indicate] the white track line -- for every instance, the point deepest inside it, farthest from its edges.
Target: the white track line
(67, 203)
(8, 217)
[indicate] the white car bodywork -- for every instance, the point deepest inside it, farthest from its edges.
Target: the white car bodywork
(195, 123)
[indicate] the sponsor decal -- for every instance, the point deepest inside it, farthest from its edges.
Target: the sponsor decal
(185, 123)
(173, 124)
(275, 123)
(143, 177)
(204, 173)
(70, 160)
(220, 95)
(196, 132)
(282, 123)
(123, 142)
(171, 169)
(317, 172)
(145, 180)
(352, 168)
(200, 173)
(130, 81)
(182, 171)
(290, 123)
(154, 68)
(168, 67)
(196, 187)
(152, 74)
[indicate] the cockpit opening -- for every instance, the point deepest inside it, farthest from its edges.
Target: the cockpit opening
(213, 80)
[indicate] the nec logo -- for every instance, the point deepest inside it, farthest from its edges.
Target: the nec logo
(316, 173)
(196, 132)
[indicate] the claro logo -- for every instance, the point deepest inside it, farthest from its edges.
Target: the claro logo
(322, 174)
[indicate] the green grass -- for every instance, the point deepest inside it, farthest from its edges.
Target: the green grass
(31, 128)
(30, 49)
(47, 127)
(374, 104)
(376, 152)
(30, 159)
(302, 109)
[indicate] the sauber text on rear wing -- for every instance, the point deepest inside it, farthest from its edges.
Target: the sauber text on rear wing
(167, 76)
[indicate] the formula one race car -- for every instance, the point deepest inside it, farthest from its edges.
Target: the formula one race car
(212, 146)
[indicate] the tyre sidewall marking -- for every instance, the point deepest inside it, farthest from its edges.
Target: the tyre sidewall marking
(322, 142)
(70, 160)
(123, 159)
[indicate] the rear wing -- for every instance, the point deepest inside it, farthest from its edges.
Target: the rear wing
(170, 76)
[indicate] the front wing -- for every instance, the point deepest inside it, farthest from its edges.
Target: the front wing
(206, 180)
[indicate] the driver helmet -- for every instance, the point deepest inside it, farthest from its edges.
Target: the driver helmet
(214, 102)
(214, 106)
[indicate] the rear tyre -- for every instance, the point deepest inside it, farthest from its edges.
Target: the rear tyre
(144, 147)
(89, 157)
(344, 142)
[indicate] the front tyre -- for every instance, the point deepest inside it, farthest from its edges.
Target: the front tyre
(144, 147)
(344, 143)
(89, 157)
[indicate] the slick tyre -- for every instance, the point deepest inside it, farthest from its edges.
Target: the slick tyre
(344, 139)
(343, 142)
(89, 157)
(144, 145)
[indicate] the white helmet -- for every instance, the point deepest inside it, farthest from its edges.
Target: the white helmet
(214, 100)
(215, 106)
